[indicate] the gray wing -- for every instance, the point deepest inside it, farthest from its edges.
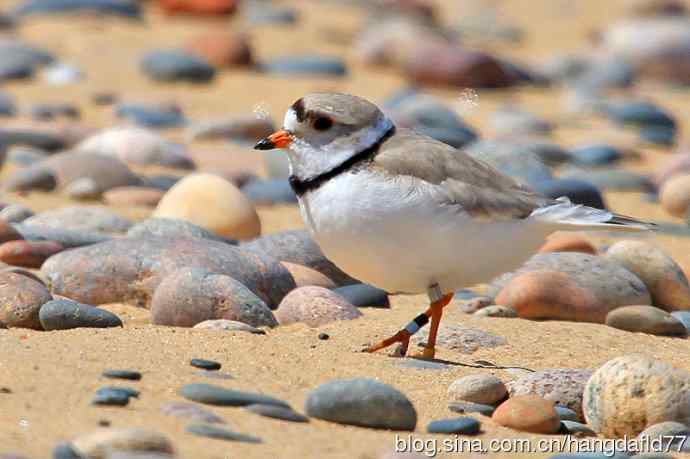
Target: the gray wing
(479, 189)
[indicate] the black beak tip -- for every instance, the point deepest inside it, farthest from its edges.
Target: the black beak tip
(264, 144)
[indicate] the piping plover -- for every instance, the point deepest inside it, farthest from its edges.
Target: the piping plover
(410, 214)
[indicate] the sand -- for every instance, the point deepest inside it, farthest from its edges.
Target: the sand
(52, 375)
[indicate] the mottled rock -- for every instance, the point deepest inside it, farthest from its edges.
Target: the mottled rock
(630, 393)
(461, 339)
(528, 413)
(497, 311)
(81, 218)
(99, 444)
(192, 295)
(191, 412)
(172, 66)
(68, 314)
(21, 299)
(563, 386)
(362, 402)
(569, 285)
(480, 388)
(29, 254)
(213, 203)
(664, 279)
(645, 319)
(216, 395)
(568, 243)
(314, 306)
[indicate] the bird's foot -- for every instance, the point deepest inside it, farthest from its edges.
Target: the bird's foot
(427, 353)
(402, 338)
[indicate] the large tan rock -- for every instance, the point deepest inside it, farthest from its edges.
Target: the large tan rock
(213, 203)
(630, 393)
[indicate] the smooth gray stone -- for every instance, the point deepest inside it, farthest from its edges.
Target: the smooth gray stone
(220, 396)
(131, 375)
(219, 433)
(469, 407)
(66, 238)
(277, 412)
(67, 314)
(464, 425)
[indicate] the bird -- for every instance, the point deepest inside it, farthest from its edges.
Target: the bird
(410, 214)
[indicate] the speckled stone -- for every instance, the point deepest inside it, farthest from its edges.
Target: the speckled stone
(480, 388)
(314, 306)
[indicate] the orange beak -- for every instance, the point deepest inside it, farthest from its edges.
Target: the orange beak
(279, 139)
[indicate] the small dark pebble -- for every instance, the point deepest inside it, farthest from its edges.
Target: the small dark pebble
(469, 407)
(104, 423)
(5, 390)
(65, 451)
(110, 397)
(220, 396)
(125, 390)
(364, 295)
(464, 425)
(122, 374)
(277, 412)
(205, 364)
(206, 430)
(566, 414)
(104, 98)
(324, 336)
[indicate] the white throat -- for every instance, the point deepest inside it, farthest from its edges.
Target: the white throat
(308, 161)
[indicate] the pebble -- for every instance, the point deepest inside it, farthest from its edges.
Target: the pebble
(133, 196)
(486, 389)
(123, 8)
(15, 213)
(562, 386)
(28, 254)
(136, 145)
(81, 218)
(464, 425)
(675, 195)
(645, 319)
(364, 295)
(462, 339)
(469, 407)
(64, 314)
(323, 336)
(61, 74)
(33, 136)
(568, 243)
(578, 191)
(298, 247)
(269, 192)
(23, 272)
(99, 444)
(111, 272)
(21, 299)
(205, 364)
(110, 397)
(362, 402)
(277, 412)
(569, 286)
(225, 210)
(159, 227)
(65, 237)
(608, 73)
(222, 49)
(595, 155)
(658, 135)
(191, 412)
(664, 279)
(125, 390)
(220, 396)
(314, 306)
(228, 325)
(131, 375)
(192, 295)
(174, 66)
(566, 414)
(220, 433)
(65, 451)
(156, 116)
(304, 65)
(577, 429)
(640, 114)
(304, 276)
(528, 413)
(630, 393)
(497, 311)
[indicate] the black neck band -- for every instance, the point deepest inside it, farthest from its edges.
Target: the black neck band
(302, 186)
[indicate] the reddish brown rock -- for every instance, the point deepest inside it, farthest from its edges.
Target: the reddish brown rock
(448, 65)
(8, 233)
(314, 306)
(192, 295)
(199, 7)
(133, 196)
(21, 299)
(568, 243)
(305, 276)
(222, 49)
(28, 254)
(528, 413)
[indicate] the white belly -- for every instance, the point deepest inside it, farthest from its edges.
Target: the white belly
(398, 238)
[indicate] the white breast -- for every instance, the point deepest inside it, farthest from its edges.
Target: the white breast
(396, 234)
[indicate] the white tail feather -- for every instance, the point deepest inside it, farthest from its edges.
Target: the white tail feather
(566, 215)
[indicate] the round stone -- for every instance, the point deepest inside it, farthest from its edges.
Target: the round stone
(630, 393)
(171, 228)
(664, 279)
(213, 203)
(205, 364)
(666, 436)
(528, 413)
(464, 425)
(478, 388)
(645, 319)
(66, 314)
(222, 49)
(314, 306)
(21, 299)
(362, 402)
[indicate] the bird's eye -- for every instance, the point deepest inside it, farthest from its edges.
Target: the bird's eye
(322, 123)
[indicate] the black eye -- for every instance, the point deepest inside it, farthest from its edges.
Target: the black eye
(323, 123)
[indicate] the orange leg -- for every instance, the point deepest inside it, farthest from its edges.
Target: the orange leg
(403, 336)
